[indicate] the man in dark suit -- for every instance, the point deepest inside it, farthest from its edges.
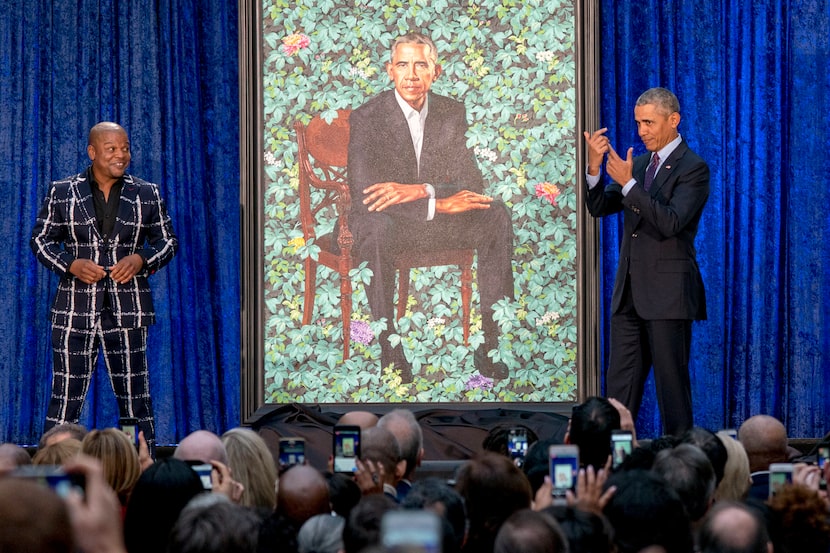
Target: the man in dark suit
(104, 232)
(658, 290)
(415, 185)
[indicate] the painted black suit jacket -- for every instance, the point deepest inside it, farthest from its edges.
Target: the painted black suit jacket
(381, 150)
(657, 251)
(66, 230)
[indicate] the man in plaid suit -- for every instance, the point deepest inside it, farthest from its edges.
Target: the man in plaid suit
(104, 232)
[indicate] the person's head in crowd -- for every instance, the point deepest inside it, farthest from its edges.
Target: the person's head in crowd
(362, 528)
(497, 438)
(159, 496)
(493, 488)
(590, 429)
(321, 534)
(689, 472)
(57, 453)
(732, 527)
(278, 534)
(798, 521)
(640, 458)
(118, 456)
(404, 426)
(344, 493)
(252, 464)
(380, 446)
(529, 531)
(302, 493)
(61, 432)
(13, 456)
(646, 511)
(586, 531)
(666, 441)
(765, 440)
(437, 495)
(537, 462)
(363, 419)
(201, 446)
(736, 479)
(222, 527)
(711, 445)
(33, 519)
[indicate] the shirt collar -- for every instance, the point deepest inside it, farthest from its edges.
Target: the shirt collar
(407, 109)
(666, 151)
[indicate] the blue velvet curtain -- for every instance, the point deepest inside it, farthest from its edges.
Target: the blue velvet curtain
(754, 91)
(167, 71)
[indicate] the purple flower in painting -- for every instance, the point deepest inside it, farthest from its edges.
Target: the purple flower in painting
(361, 332)
(479, 382)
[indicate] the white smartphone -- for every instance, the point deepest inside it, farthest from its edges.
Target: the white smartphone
(780, 474)
(564, 465)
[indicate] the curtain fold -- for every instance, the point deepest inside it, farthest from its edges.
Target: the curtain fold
(753, 87)
(167, 71)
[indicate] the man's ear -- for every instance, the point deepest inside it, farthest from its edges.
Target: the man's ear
(437, 72)
(420, 457)
(90, 151)
(400, 469)
(567, 439)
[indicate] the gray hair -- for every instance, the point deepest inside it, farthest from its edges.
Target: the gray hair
(662, 98)
(415, 38)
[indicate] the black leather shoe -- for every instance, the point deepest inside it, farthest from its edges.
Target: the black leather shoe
(489, 368)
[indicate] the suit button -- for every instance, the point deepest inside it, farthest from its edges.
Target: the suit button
(634, 235)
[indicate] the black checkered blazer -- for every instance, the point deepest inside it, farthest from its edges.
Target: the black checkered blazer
(65, 230)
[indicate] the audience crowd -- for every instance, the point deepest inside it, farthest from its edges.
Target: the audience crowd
(701, 492)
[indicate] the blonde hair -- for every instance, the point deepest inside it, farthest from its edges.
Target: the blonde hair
(735, 483)
(57, 453)
(118, 457)
(252, 464)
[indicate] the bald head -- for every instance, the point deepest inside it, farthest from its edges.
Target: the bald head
(12, 456)
(302, 493)
(733, 527)
(202, 446)
(101, 128)
(404, 426)
(765, 440)
(363, 419)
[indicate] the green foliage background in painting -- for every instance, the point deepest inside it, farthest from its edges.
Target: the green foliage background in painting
(512, 63)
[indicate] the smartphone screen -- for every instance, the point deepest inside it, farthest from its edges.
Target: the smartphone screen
(411, 531)
(346, 448)
(564, 465)
(822, 458)
(621, 446)
(517, 445)
(292, 452)
(130, 427)
(780, 474)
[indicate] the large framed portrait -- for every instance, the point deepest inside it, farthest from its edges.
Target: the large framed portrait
(524, 72)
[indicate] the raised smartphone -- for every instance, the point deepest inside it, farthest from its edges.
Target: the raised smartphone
(780, 474)
(346, 448)
(517, 445)
(292, 452)
(564, 465)
(622, 442)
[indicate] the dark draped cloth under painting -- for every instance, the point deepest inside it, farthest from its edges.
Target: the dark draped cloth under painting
(754, 93)
(168, 73)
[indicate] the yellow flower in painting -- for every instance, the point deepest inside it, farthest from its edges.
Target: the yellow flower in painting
(297, 243)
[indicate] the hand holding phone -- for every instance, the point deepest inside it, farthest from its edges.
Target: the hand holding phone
(129, 426)
(780, 474)
(622, 443)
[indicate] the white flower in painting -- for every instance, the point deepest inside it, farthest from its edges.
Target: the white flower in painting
(271, 159)
(544, 55)
(487, 154)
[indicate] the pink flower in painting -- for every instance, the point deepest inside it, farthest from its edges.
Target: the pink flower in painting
(479, 382)
(294, 42)
(361, 332)
(548, 191)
